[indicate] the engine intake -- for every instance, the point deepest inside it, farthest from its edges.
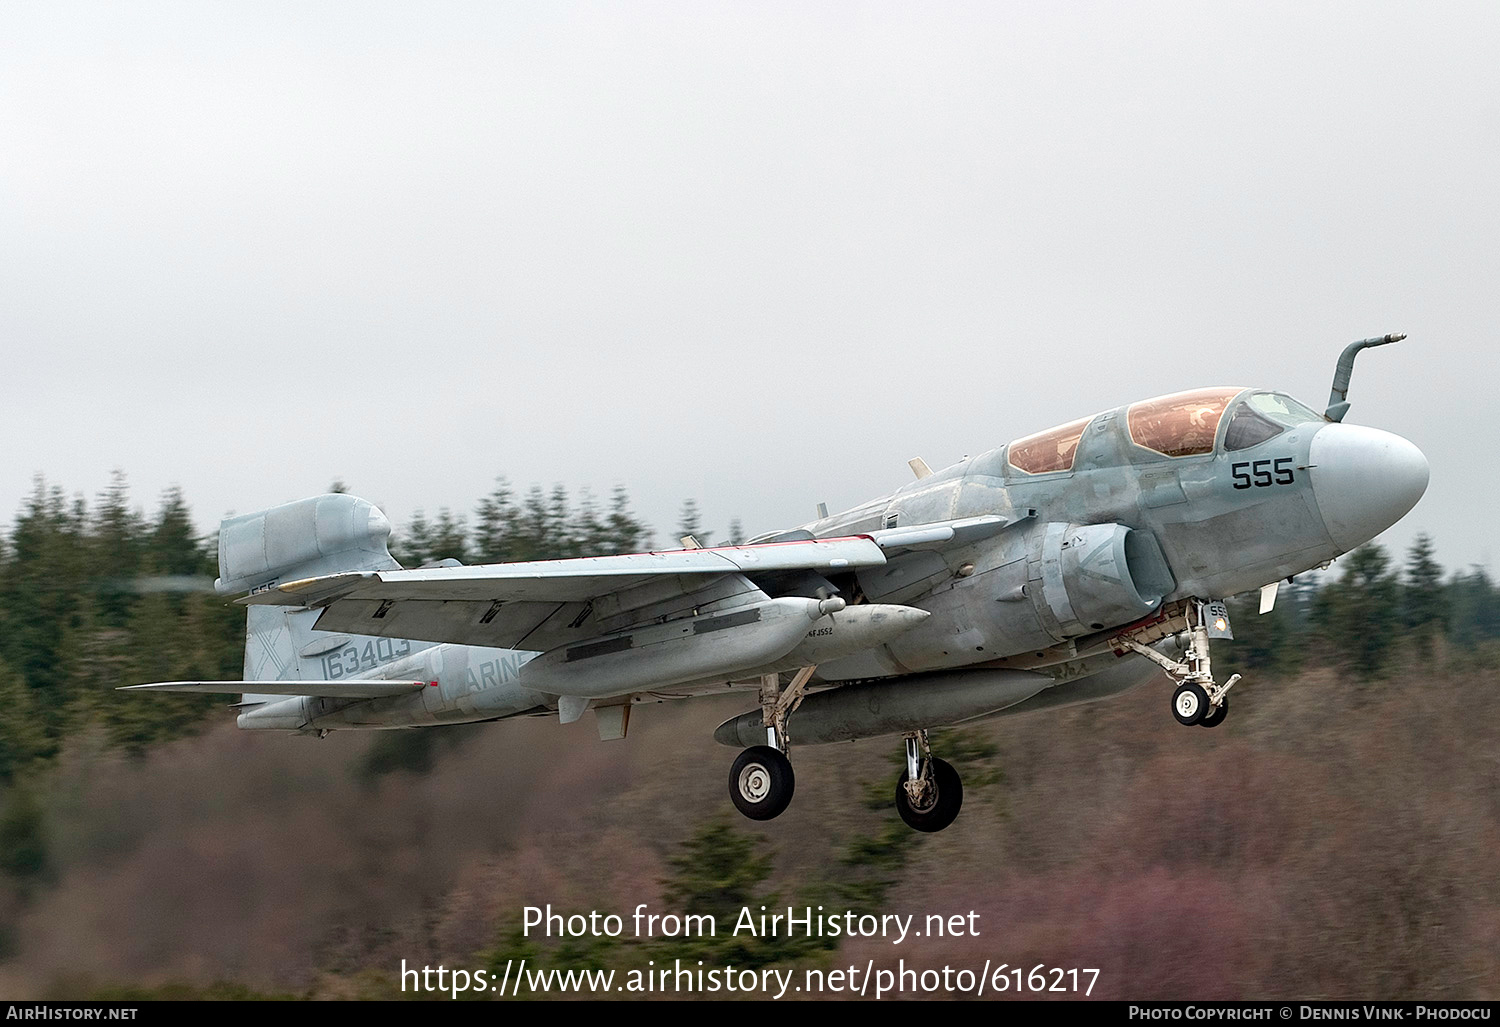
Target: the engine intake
(1097, 576)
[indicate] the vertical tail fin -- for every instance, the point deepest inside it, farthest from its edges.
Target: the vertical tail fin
(322, 535)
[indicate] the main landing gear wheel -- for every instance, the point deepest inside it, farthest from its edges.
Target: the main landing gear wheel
(761, 782)
(1215, 716)
(940, 802)
(1189, 703)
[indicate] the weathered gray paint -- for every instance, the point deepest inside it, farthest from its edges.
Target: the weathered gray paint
(959, 574)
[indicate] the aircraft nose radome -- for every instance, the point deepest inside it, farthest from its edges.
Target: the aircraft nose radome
(1364, 480)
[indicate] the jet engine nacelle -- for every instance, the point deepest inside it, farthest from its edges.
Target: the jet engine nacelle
(1057, 582)
(1088, 577)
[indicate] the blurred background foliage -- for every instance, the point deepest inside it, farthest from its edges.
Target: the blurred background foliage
(95, 594)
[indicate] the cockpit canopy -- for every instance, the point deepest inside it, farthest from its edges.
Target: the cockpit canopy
(1179, 425)
(1047, 451)
(1182, 424)
(1263, 416)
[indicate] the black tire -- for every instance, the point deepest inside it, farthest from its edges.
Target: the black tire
(945, 805)
(1215, 716)
(1189, 703)
(761, 782)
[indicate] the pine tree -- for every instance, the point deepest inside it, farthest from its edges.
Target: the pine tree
(45, 594)
(118, 545)
(545, 526)
(1360, 615)
(719, 871)
(163, 641)
(172, 545)
(689, 522)
(589, 530)
(1424, 601)
(1473, 608)
(495, 525)
(450, 538)
(1269, 641)
(23, 738)
(531, 535)
(625, 533)
(414, 548)
(562, 542)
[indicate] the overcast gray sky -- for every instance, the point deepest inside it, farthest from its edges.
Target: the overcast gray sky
(758, 254)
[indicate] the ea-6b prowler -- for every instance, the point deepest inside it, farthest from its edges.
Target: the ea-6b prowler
(1065, 567)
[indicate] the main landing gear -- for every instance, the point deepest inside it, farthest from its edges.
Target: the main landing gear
(761, 781)
(1198, 699)
(929, 793)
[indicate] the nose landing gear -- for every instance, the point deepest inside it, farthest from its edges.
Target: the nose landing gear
(1198, 699)
(1215, 716)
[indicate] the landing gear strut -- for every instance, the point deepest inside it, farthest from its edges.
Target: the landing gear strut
(761, 781)
(1198, 698)
(929, 793)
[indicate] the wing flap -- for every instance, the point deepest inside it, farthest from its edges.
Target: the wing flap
(344, 688)
(510, 625)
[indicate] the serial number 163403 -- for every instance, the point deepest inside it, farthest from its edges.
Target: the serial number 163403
(355, 658)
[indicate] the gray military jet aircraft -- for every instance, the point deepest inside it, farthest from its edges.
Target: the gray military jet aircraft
(1065, 567)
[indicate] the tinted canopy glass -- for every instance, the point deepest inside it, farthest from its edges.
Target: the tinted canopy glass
(1051, 450)
(1182, 424)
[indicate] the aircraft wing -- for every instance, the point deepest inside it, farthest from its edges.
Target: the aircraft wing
(345, 688)
(544, 604)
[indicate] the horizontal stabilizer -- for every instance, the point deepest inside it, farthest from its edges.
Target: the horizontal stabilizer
(345, 688)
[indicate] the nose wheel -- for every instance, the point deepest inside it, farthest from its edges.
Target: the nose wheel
(1190, 703)
(1198, 699)
(1215, 716)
